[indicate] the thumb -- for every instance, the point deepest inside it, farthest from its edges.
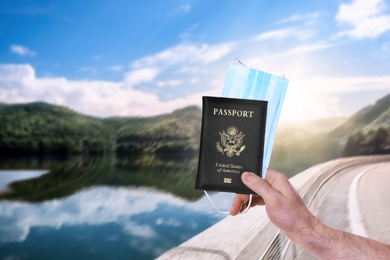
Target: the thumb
(259, 186)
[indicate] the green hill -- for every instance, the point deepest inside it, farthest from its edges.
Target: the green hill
(364, 117)
(174, 134)
(41, 128)
(44, 129)
(159, 151)
(365, 132)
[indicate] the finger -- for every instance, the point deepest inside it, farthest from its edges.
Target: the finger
(244, 206)
(259, 186)
(279, 182)
(274, 176)
(257, 201)
(238, 201)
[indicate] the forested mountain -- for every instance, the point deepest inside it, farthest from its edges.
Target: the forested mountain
(44, 129)
(371, 124)
(41, 128)
(172, 134)
(365, 132)
(159, 151)
(368, 116)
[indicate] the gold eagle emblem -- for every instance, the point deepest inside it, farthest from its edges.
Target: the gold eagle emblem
(231, 142)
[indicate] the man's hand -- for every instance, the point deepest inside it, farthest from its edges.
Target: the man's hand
(286, 209)
(284, 206)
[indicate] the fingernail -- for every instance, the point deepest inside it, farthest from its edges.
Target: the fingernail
(247, 176)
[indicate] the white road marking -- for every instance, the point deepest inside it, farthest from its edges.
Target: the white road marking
(355, 216)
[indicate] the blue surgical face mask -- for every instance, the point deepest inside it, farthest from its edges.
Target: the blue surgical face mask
(247, 83)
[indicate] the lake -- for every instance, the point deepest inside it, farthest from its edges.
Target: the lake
(100, 208)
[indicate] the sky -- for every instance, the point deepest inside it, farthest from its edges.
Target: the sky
(144, 57)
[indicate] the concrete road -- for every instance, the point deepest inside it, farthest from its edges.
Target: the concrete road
(373, 195)
(351, 194)
(357, 200)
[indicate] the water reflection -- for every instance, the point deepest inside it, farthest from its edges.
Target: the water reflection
(7, 177)
(104, 210)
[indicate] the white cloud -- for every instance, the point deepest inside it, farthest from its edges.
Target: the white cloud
(312, 47)
(175, 65)
(15, 73)
(311, 105)
(276, 34)
(178, 76)
(17, 175)
(188, 32)
(291, 32)
(169, 83)
(318, 97)
(359, 10)
(185, 53)
(185, 8)
(368, 18)
(142, 231)
(98, 98)
(137, 76)
(307, 17)
(337, 85)
(115, 68)
(385, 50)
(21, 50)
(192, 70)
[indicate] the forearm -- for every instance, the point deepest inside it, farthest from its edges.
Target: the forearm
(327, 243)
(287, 211)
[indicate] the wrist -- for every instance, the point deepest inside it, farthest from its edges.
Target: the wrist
(311, 235)
(321, 240)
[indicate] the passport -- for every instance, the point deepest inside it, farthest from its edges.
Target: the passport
(231, 142)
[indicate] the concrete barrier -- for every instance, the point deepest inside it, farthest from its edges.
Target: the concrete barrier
(251, 235)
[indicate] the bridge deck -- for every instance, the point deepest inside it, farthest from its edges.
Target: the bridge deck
(349, 194)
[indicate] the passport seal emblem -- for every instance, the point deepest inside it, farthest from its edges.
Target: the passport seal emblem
(231, 142)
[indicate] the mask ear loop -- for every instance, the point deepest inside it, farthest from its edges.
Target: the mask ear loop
(227, 212)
